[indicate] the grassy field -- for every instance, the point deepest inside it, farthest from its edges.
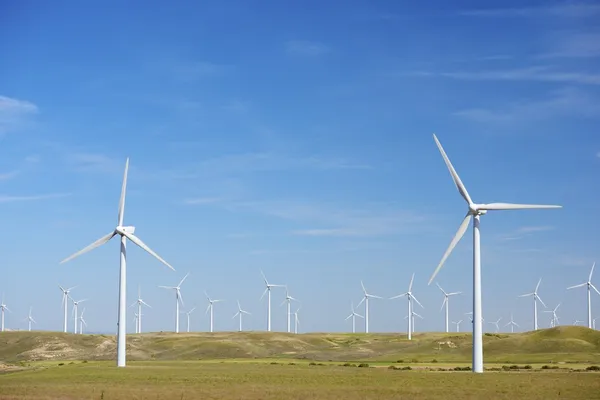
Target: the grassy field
(256, 380)
(552, 363)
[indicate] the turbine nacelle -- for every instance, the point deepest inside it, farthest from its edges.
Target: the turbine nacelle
(123, 230)
(477, 209)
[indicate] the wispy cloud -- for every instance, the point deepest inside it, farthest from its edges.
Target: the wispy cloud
(198, 201)
(94, 162)
(192, 71)
(536, 73)
(564, 10)
(567, 102)
(579, 45)
(13, 199)
(525, 231)
(13, 112)
(306, 48)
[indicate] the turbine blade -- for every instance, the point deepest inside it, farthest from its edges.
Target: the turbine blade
(179, 296)
(349, 316)
(375, 297)
(412, 278)
(236, 314)
(459, 234)
(363, 287)
(141, 244)
(594, 287)
(92, 246)
(122, 199)
(265, 292)
(454, 293)
(438, 285)
(246, 312)
(392, 298)
(511, 206)
(541, 301)
(146, 304)
(207, 308)
(592, 271)
(361, 301)
(525, 295)
(414, 313)
(459, 185)
(538, 285)
(360, 316)
(415, 299)
(443, 303)
(576, 286)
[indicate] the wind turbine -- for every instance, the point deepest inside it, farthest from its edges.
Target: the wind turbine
(413, 314)
(296, 321)
(65, 297)
(211, 308)
(536, 297)
(239, 313)
(495, 323)
(82, 322)
(554, 320)
(75, 306)
(268, 293)
(590, 286)
(594, 323)
(139, 302)
(446, 302)
(125, 232)
(178, 299)
(135, 321)
(475, 212)
(410, 298)
(457, 325)
(288, 300)
(188, 318)
(353, 315)
(3, 308)
(512, 324)
(365, 299)
(577, 322)
(30, 319)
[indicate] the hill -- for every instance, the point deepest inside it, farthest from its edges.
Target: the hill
(565, 343)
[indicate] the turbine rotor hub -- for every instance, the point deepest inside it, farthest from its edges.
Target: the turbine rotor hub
(475, 210)
(125, 229)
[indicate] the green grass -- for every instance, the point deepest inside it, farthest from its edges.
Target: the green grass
(259, 380)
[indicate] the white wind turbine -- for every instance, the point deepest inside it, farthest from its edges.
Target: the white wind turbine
(3, 309)
(554, 320)
(188, 313)
(457, 325)
(30, 319)
(125, 232)
(412, 320)
(75, 316)
(512, 324)
(594, 323)
(353, 315)
(589, 286)
(211, 304)
(577, 322)
(495, 323)
(296, 321)
(410, 296)
(446, 302)
(365, 299)
(65, 304)
(135, 321)
(536, 297)
(138, 319)
(268, 293)
(475, 212)
(82, 322)
(178, 299)
(288, 300)
(239, 314)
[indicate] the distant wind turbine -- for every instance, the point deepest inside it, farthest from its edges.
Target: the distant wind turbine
(446, 302)
(239, 314)
(75, 316)
(594, 323)
(268, 293)
(30, 319)
(589, 286)
(82, 322)
(474, 212)
(365, 299)
(3, 308)
(187, 314)
(512, 324)
(495, 323)
(65, 304)
(353, 315)
(577, 322)
(410, 296)
(178, 299)
(139, 302)
(296, 320)
(211, 304)
(288, 299)
(536, 298)
(125, 232)
(412, 323)
(457, 325)
(554, 320)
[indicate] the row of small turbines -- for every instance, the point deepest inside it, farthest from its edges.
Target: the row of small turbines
(474, 213)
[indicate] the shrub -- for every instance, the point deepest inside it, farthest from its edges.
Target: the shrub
(414, 360)
(392, 367)
(312, 363)
(434, 360)
(593, 368)
(61, 364)
(363, 365)
(348, 365)
(274, 363)
(400, 361)
(407, 368)
(84, 362)
(527, 367)
(514, 367)
(291, 363)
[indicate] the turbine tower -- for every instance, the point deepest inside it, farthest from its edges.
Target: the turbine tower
(138, 319)
(75, 307)
(412, 320)
(512, 324)
(268, 293)
(474, 212)
(446, 302)
(410, 298)
(187, 314)
(296, 321)
(589, 286)
(536, 297)
(82, 322)
(353, 315)
(495, 323)
(125, 232)
(3, 309)
(288, 300)
(30, 319)
(365, 299)
(457, 325)
(65, 304)
(239, 314)
(178, 299)
(554, 320)
(210, 307)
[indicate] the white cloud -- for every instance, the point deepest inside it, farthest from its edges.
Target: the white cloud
(93, 162)
(525, 231)
(565, 10)
(201, 201)
(13, 112)
(12, 199)
(305, 48)
(578, 45)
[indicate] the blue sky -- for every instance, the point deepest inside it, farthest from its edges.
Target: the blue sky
(296, 137)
